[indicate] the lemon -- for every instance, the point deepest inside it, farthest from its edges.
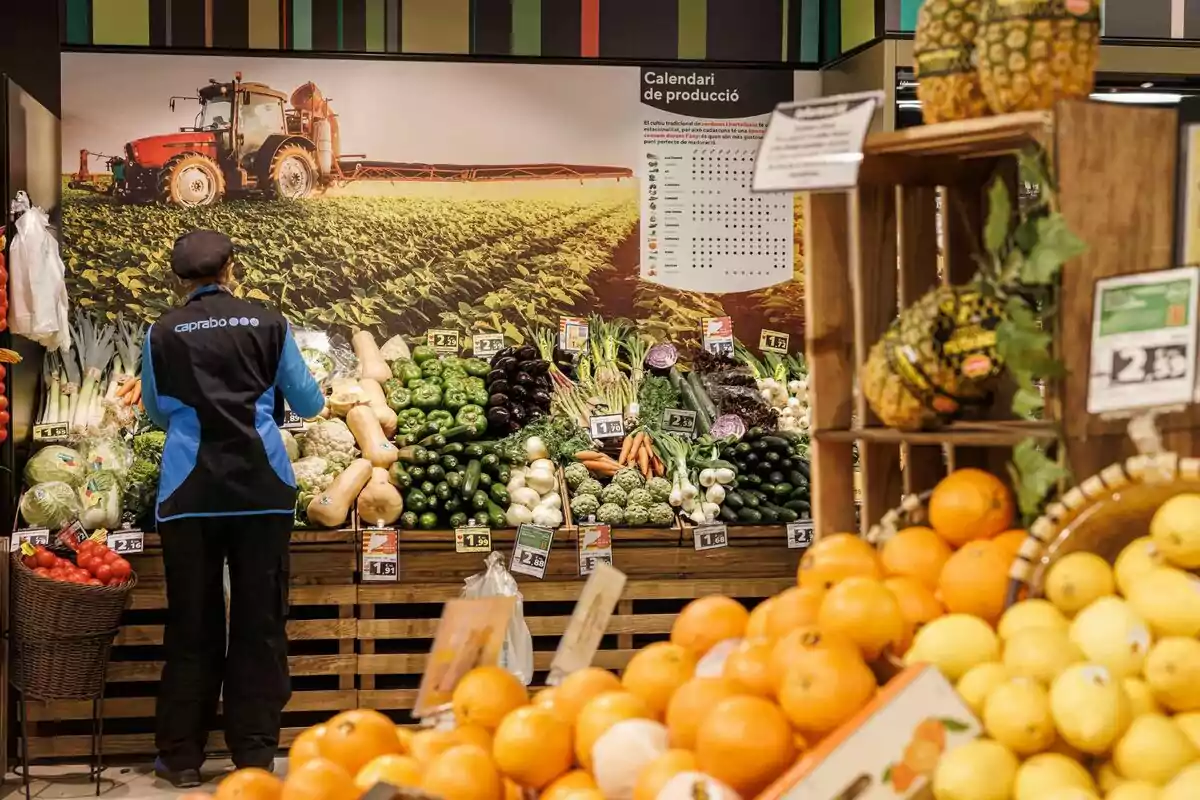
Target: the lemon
(1154, 749)
(1169, 600)
(1107, 777)
(1070, 793)
(1172, 671)
(1189, 723)
(1141, 699)
(1040, 653)
(1175, 530)
(977, 684)
(1030, 614)
(954, 643)
(1089, 707)
(978, 770)
(1185, 786)
(1078, 579)
(1046, 772)
(1139, 557)
(1134, 790)
(1110, 632)
(1017, 715)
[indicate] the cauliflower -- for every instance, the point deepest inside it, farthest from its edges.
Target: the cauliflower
(332, 441)
(576, 474)
(610, 514)
(313, 474)
(637, 515)
(614, 494)
(659, 488)
(661, 514)
(584, 506)
(629, 479)
(290, 445)
(639, 497)
(590, 486)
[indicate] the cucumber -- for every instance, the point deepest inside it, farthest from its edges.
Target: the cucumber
(802, 465)
(800, 493)
(782, 489)
(796, 478)
(776, 443)
(785, 515)
(734, 500)
(710, 409)
(749, 516)
(767, 512)
(751, 500)
(470, 480)
(728, 514)
(799, 506)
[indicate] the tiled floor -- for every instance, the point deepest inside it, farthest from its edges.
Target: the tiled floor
(71, 782)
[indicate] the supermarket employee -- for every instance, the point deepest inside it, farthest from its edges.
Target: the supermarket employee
(212, 375)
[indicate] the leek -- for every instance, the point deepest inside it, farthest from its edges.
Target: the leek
(96, 351)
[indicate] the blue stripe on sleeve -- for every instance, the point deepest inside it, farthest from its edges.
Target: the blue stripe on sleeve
(299, 387)
(149, 386)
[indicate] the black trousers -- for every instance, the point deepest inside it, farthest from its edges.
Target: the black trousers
(253, 667)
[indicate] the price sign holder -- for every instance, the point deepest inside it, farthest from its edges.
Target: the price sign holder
(679, 420)
(710, 536)
(472, 538)
(717, 335)
(531, 551)
(589, 621)
(595, 548)
(800, 534)
(469, 634)
(292, 421)
(1144, 352)
(380, 556)
(607, 426)
(486, 345)
(72, 535)
(51, 432)
(444, 340)
(35, 536)
(774, 342)
(127, 541)
(572, 333)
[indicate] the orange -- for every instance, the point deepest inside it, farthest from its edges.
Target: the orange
(405, 734)
(352, 738)
(691, 703)
(584, 794)
(655, 672)
(757, 624)
(749, 666)
(474, 734)
(250, 784)
(306, 747)
(319, 779)
(512, 791)
(600, 714)
(917, 602)
(970, 504)
(465, 772)
(533, 746)
(546, 698)
(917, 552)
(581, 686)
(573, 781)
(805, 643)
(655, 775)
(868, 614)
(818, 695)
(835, 558)
(428, 744)
(396, 770)
(485, 695)
(1010, 543)
(745, 742)
(794, 608)
(974, 581)
(708, 620)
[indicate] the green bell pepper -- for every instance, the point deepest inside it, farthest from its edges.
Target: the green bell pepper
(409, 421)
(416, 500)
(422, 353)
(427, 397)
(451, 362)
(405, 370)
(431, 368)
(427, 521)
(454, 399)
(476, 367)
(475, 383)
(442, 418)
(473, 417)
(398, 397)
(478, 397)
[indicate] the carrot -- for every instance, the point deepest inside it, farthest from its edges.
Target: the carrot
(608, 469)
(644, 461)
(587, 455)
(626, 449)
(125, 387)
(138, 395)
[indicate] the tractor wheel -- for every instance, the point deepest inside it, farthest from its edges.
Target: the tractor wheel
(190, 180)
(293, 174)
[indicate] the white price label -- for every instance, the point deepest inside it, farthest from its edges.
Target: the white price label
(773, 341)
(380, 558)
(800, 534)
(679, 420)
(473, 539)
(531, 553)
(717, 335)
(595, 548)
(443, 340)
(1144, 341)
(572, 334)
(710, 536)
(127, 541)
(49, 432)
(35, 537)
(607, 426)
(486, 345)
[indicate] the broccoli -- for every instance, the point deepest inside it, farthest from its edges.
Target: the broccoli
(576, 474)
(639, 497)
(584, 506)
(148, 446)
(614, 494)
(659, 488)
(629, 479)
(637, 515)
(590, 486)
(610, 514)
(661, 514)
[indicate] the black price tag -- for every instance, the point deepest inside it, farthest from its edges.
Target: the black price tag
(444, 341)
(773, 341)
(473, 539)
(800, 534)
(710, 536)
(607, 426)
(1149, 364)
(679, 420)
(719, 348)
(72, 535)
(49, 432)
(35, 537)
(292, 421)
(127, 541)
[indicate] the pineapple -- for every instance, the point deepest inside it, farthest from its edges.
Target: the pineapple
(936, 357)
(943, 56)
(1033, 53)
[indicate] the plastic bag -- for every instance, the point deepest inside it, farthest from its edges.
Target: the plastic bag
(38, 307)
(109, 452)
(327, 357)
(517, 654)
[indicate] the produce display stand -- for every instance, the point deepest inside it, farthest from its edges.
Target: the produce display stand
(1115, 172)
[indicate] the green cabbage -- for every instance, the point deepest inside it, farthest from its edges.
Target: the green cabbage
(52, 504)
(100, 497)
(55, 463)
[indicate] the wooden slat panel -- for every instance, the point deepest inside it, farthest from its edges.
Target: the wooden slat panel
(298, 629)
(148, 596)
(126, 744)
(134, 707)
(414, 663)
(300, 665)
(569, 590)
(538, 626)
(304, 565)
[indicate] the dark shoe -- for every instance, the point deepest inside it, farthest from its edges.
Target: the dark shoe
(269, 766)
(180, 779)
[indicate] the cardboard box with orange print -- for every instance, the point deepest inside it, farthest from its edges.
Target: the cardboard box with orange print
(888, 750)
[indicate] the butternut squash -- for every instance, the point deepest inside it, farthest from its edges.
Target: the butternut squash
(377, 402)
(330, 508)
(370, 360)
(379, 503)
(376, 447)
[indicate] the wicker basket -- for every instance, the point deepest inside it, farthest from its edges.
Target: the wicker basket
(62, 668)
(913, 510)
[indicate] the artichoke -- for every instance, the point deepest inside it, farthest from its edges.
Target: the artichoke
(590, 486)
(614, 494)
(662, 514)
(584, 506)
(659, 488)
(637, 515)
(576, 474)
(639, 497)
(610, 514)
(629, 479)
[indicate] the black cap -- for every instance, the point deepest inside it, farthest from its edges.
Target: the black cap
(200, 254)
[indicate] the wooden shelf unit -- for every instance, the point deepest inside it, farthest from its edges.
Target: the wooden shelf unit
(873, 250)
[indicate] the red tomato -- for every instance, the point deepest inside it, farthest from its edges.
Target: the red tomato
(94, 582)
(46, 559)
(104, 573)
(121, 569)
(45, 573)
(30, 561)
(88, 544)
(110, 556)
(85, 560)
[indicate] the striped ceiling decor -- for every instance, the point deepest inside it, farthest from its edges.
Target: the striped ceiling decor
(722, 30)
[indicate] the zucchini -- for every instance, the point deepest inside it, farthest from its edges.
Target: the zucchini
(733, 500)
(781, 489)
(413, 454)
(767, 512)
(495, 516)
(472, 450)
(784, 515)
(728, 514)
(749, 516)
(799, 506)
(480, 500)
(710, 409)
(802, 465)
(458, 519)
(453, 449)
(751, 500)
(485, 480)
(754, 480)
(796, 478)
(470, 480)
(776, 443)
(499, 494)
